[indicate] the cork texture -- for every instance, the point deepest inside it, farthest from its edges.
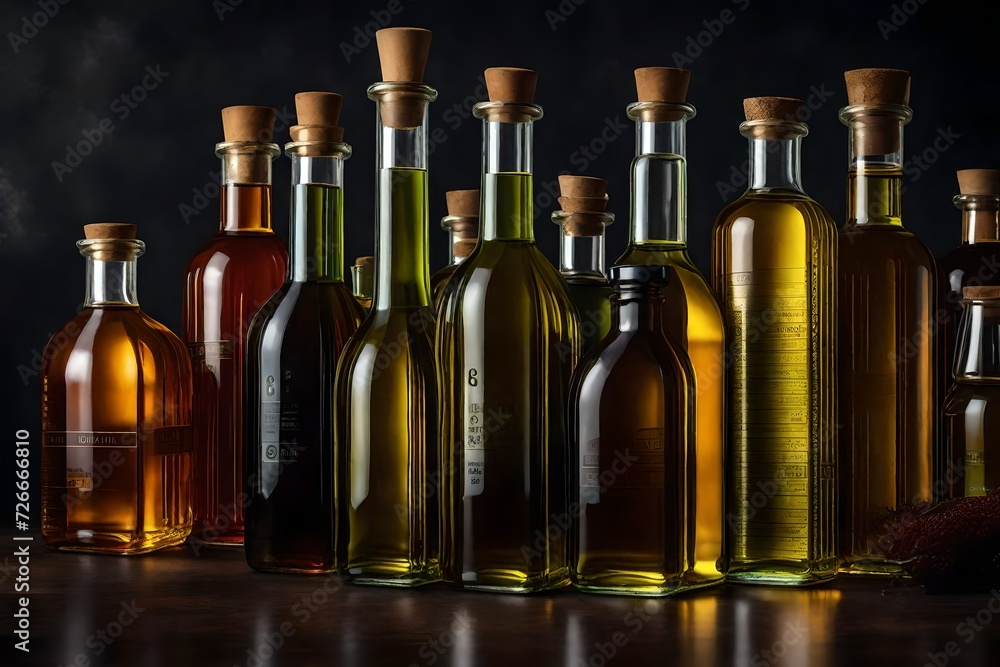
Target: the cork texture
(403, 56)
(979, 181)
(582, 186)
(877, 86)
(463, 203)
(981, 292)
(111, 232)
(248, 123)
(514, 85)
(366, 260)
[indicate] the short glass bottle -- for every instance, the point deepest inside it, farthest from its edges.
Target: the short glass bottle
(972, 406)
(363, 280)
(116, 415)
(634, 450)
(293, 346)
(581, 262)
(462, 225)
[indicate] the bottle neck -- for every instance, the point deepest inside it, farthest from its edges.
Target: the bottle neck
(659, 173)
(977, 357)
(463, 233)
(980, 218)
(775, 164)
(581, 243)
(875, 164)
(317, 217)
(634, 311)
(362, 281)
(111, 271)
(402, 276)
(508, 202)
(246, 187)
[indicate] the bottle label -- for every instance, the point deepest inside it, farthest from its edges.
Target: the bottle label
(120, 439)
(277, 418)
(636, 465)
(206, 355)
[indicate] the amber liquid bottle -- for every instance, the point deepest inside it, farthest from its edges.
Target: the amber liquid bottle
(293, 346)
(977, 260)
(888, 338)
(116, 415)
(387, 395)
(634, 451)
(462, 224)
(972, 406)
(226, 283)
(507, 342)
(692, 319)
(363, 281)
(774, 261)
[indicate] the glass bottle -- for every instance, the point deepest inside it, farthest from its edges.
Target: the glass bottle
(116, 415)
(508, 339)
(582, 221)
(386, 382)
(774, 262)
(977, 260)
(363, 280)
(462, 223)
(888, 342)
(634, 450)
(692, 319)
(293, 346)
(226, 283)
(972, 406)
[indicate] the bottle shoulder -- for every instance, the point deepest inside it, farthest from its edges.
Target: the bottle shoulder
(501, 267)
(227, 251)
(879, 243)
(774, 208)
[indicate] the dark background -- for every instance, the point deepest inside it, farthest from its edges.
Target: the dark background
(63, 81)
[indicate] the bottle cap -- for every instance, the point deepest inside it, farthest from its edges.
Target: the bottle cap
(628, 275)
(248, 123)
(981, 292)
(770, 113)
(585, 199)
(877, 134)
(403, 55)
(463, 217)
(110, 232)
(513, 85)
(979, 181)
(317, 115)
(463, 203)
(366, 260)
(662, 84)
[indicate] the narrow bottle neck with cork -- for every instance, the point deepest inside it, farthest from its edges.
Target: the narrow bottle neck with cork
(659, 173)
(775, 155)
(581, 243)
(462, 233)
(980, 218)
(977, 357)
(363, 279)
(317, 234)
(111, 265)
(508, 201)
(403, 271)
(875, 167)
(246, 186)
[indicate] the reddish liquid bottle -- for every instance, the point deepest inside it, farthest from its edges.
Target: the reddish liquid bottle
(226, 283)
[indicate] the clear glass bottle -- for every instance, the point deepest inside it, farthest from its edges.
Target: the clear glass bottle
(462, 224)
(634, 450)
(508, 339)
(693, 321)
(581, 260)
(293, 346)
(888, 338)
(977, 260)
(363, 280)
(387, 436)
(972, 406)
(226, 282)
(774, 263)
(116, 415)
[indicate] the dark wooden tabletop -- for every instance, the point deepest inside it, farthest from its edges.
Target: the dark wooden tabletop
(178, 608)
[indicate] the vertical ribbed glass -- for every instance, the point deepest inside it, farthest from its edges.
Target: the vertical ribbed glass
(226, 282)
(888, 347)
(634, 464)
(508, 339)
(774, 265)
(293, 346)
(581, 262)
(692, 318)
(116, 419)
(386, 383)
(972, 406)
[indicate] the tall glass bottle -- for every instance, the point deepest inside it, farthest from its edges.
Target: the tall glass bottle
(225, 284)
(889, 361)
(693, 321)
(363, 280)
(386, 382)
(582, 221)
(972, 406)
(462, 223)
(977, 260)
(116, 415)
(774, 259)
(293, 346)
(634, 451)
(507, 341)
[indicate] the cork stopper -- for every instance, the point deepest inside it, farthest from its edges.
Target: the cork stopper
(317, 114)
(877, 134)
(110, 232)
(662, 84)
(979, 181)
(513, 85)
(585, 199)
(464, 247)
(773, 109)
(463, 203)
(365, 260)
(981, 292)
(248, 123)
(403, 55)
